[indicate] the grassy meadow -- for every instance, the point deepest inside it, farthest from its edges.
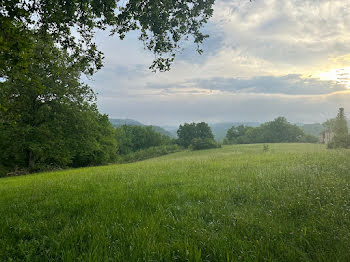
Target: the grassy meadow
(236, 203)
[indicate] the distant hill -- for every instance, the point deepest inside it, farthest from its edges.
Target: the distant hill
(171, 129)
(131, 122)
(128, 122)
(163, 131)
(312, 129)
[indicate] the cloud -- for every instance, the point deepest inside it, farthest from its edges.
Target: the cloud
(280, 37)
(263, 59)
(289, 31)
(289, 84)
(210, 46)
(267, 37)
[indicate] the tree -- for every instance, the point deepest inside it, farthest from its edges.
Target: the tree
(339, 126)
(188, 132)
(203, 143)
(134, 138)
(162, 25)
(237, 135)
(277, 131)
(203, 131)
(329, 124)
(49, 117)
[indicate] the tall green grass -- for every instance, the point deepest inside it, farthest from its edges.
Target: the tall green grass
(236, 203)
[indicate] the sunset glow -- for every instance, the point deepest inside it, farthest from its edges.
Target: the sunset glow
(340, 75)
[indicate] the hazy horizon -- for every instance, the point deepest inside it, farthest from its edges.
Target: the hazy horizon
(210, 123)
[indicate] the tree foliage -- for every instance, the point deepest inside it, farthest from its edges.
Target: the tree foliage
(134, 138)
(203, 143)
(48, 117)
(162, 25)
(339, 126)
(150, 152)
(237, 135)
(276, 131)
(188, 132)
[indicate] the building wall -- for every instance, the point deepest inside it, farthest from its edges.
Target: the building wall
(326, 137)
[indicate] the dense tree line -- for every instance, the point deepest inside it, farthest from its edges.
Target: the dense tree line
(276, 131)
(134, 138)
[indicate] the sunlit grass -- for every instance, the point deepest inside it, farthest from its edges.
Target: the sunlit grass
(236, 203)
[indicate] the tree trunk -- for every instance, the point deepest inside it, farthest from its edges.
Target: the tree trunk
(31, 160)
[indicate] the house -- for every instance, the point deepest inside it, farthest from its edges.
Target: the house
(326, 136)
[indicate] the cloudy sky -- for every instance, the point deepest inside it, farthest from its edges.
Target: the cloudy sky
(264, 59)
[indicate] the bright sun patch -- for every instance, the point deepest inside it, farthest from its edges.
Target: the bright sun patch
(340, 75)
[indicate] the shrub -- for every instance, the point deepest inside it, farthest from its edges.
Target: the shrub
(203, 143)
(148, 153)
(265, 148)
